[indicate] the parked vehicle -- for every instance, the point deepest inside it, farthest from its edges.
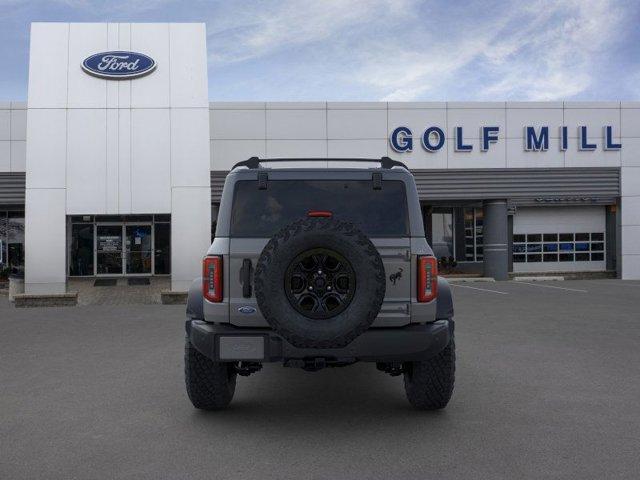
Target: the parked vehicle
(320, 267)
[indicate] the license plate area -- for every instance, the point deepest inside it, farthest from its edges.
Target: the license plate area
(241, 347)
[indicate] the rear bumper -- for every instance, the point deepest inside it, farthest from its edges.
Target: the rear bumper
(228, 343)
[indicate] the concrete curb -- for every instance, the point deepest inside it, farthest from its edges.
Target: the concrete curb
(168, 297)
(566, 275)
(27, 300)
(469, 279)
(550, 278)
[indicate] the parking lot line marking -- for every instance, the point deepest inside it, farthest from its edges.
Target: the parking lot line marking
(476, 288)
(552, 286)
(617, 283)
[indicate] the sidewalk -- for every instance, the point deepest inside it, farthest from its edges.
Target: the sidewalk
(120, 294)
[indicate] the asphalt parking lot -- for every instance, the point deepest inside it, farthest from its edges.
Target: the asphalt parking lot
(548, 386)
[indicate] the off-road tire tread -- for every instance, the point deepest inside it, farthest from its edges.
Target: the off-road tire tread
(429, 384)
(321, 225)
(210, 385)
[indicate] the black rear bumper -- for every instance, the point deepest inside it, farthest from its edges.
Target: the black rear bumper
(228, 343)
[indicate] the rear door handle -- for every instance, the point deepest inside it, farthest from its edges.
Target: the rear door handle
(245, 277)
(406, 255)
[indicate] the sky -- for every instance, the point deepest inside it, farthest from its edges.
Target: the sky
(377, 50)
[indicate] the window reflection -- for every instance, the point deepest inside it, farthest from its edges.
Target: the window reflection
(442, 232)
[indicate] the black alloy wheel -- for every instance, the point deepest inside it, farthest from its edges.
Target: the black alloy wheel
(320, 283)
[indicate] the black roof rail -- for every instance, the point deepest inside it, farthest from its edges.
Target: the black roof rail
(254, 162)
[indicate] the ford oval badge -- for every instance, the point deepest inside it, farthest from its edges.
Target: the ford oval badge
(118, 65)
(247, 310)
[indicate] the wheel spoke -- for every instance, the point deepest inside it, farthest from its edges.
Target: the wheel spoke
(319, 261)
(320, 306)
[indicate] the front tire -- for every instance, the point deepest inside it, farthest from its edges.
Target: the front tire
(210, 385)
(429, 384)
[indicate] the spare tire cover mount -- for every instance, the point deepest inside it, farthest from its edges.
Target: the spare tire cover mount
(319, 282)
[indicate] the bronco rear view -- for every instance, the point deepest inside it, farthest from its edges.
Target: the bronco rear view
(319, 267)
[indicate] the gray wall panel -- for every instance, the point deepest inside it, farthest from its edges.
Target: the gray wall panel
(521, 186)
(217, 182)
(525, 184)
(12, 189)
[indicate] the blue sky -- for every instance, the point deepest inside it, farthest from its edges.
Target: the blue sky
(378, 49)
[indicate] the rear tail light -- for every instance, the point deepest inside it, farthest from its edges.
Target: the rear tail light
(427, 278)
(212, 278)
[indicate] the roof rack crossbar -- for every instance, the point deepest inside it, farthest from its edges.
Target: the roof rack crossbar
(254, 162)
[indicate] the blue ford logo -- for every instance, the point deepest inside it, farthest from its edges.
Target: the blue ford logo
(118, 65)
(247, 310)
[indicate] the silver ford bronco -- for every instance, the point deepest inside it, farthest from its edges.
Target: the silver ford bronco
(319, 267)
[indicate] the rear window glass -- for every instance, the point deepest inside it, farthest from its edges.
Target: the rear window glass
(261, 213)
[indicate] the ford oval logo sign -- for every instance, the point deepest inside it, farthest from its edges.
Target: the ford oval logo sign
(247, 309)
(118, 65)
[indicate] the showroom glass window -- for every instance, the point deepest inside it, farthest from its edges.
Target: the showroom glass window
(162, 244)
(473, 234)
(442, 232)
(81, 248)
(12, 239)
(3, 244)
(558, 247)
(118, 245)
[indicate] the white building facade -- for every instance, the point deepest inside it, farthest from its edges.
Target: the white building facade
(115, 177)
(115, 147)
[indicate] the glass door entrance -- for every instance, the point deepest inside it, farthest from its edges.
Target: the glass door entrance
(109, 250)
(114, 245)
(139, 249)
(124, 249)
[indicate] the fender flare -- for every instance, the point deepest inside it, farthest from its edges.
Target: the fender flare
(194, 300)
(444, 310)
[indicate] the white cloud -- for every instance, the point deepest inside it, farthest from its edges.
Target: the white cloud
(545, 51)
(406, 50)
(555, 59)
(254, 32)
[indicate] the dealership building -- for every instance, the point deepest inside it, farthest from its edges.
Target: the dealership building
(114, 165)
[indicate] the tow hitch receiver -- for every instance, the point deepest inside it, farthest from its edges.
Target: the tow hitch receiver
(244, 369)
(308, 364)
(392, 368)
(318, 363)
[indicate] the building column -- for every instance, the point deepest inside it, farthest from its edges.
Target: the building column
(509, 241)
(611, 243)
(190, 234)
(45, 237)
(629, 232)
(458, 231)
(495, 239)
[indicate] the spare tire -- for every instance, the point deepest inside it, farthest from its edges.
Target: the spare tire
(319, 282)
